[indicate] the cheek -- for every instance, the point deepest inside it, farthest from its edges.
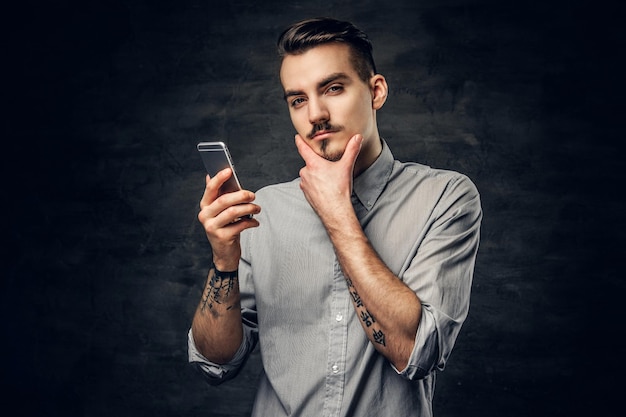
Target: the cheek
(297, 120)
(356, 109)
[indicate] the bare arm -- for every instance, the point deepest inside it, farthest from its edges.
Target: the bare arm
(216, 326)
(389, 311)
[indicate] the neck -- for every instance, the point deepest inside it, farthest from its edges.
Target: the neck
(369, 153)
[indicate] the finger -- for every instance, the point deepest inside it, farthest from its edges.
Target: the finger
(305, 150)
(231, 206)
(236, 213)
(209, 195)
(222, 215)
(243, 224)
(212, 187)
(352, 150)
(231, 231)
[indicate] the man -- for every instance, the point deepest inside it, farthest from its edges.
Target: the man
(355, 277)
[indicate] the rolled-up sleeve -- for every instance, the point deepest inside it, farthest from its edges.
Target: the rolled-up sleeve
(216, 374)
(441, 275)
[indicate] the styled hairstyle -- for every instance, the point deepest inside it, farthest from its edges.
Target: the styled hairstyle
(304, 35)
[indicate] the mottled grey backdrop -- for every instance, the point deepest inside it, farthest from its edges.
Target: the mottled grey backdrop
(105, 259)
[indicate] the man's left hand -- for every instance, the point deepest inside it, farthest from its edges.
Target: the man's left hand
(327, 185)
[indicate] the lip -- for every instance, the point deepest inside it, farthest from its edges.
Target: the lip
(323, 134)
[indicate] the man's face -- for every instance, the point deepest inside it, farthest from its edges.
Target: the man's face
(328, 102)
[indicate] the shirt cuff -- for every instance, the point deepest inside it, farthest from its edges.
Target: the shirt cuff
(214, 372)
(424, 356)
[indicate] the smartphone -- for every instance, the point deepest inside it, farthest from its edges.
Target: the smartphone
(216, 157)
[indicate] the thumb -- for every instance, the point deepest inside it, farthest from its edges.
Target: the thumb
(352, 149)
(304, 149)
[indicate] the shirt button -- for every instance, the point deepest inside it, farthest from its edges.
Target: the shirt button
(339, 317)
(335, 369)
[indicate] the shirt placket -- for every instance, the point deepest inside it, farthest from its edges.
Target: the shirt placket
(338, 337)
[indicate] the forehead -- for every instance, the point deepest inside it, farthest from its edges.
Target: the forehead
(316, 64)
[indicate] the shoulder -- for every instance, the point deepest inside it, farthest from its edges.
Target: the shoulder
(443, 180)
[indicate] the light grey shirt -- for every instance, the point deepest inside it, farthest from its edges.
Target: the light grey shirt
(424, 224)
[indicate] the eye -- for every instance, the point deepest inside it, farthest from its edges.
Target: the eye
(296, 102)
(334, 89)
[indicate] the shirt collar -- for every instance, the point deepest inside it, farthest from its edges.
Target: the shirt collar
(369, 185)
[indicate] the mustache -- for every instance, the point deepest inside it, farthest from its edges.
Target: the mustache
(322, 126)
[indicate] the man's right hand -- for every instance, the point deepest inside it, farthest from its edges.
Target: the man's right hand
(224, 217)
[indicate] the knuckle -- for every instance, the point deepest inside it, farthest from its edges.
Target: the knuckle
(232, 211)
(203, 214)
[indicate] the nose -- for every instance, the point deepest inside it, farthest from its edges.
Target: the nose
(317, 111)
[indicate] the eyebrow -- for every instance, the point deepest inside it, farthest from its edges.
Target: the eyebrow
(331, 78)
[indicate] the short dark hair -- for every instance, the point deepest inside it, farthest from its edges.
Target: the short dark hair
(306, 34)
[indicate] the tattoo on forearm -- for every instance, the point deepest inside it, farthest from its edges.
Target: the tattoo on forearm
(379, 337)
(356, 298)
(219, 287)
(366, 317)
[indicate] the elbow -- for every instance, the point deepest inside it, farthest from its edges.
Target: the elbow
(401, 358)
(401, 365)
(219, 351)
(408, 364)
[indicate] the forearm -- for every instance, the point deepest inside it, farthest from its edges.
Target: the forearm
(216, 326)
(388, 310)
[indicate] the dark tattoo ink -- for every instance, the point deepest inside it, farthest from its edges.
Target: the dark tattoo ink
(218, 289)
(357, 298)
(379, 337)
(367, 318)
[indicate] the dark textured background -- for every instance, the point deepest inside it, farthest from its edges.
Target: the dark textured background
(106, 100)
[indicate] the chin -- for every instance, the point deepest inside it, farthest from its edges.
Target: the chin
(332, 155)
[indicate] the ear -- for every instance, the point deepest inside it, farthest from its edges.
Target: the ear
(379, 88)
